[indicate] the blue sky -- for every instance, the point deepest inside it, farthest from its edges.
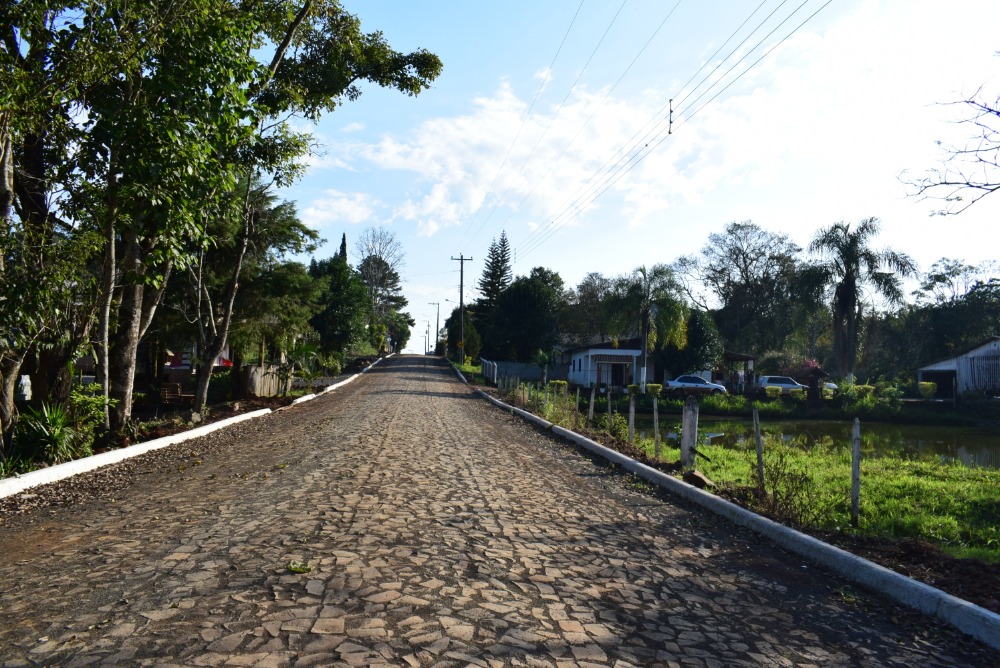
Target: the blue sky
(538, 102)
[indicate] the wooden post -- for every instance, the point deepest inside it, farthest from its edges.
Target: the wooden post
(656, 427)
(631, 416)
(689, 432)
(855, 472)
(576, 408)
(760, 452)
(590, 409)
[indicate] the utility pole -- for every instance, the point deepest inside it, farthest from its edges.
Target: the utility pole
(437, 326)
(461, 259)
(427, 340)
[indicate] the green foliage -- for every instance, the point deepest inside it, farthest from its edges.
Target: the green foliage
(16, 464)
(527, 315)
(654, 389)
(772, 392)
(616, 425)
(927, 390)
(47, 435)
(86, 408)
(852, 264)
(343, 304)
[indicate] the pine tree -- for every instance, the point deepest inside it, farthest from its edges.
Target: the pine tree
(497, 273)
(343, 247)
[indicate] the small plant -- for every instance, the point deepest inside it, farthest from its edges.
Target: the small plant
(927, 390)
(47, 435)
(772, 392)
(616, 426)
(298, 567)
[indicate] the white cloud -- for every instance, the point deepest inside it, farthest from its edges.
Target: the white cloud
(340, 208)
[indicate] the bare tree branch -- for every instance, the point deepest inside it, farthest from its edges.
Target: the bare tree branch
(968, 173)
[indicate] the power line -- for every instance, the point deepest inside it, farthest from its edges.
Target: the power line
(600, 104)
(559, 108)
(524, 120)
(655, 121)
(573, 209)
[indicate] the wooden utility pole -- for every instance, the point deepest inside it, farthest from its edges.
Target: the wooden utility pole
(461, 259)
(437, 326)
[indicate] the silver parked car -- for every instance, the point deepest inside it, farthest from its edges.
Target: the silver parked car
(784, 382)
(689, 384)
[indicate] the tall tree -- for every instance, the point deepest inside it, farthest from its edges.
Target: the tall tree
(648, 303)
(496, 278)
(528, 314)
(751, 274)
(703, 347)
(496, 273)
(381, 258)
(851, 265)
(344, 304)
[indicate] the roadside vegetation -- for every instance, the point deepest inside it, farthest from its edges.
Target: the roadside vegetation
(806, 484)
(143, 149)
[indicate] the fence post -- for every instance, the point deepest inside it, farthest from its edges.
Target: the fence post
(631, 415)
(590, 408)
(760, 452)
(689, 432)
(656, 427)
(855, 472)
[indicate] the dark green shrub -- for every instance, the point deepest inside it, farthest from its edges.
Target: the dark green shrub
(48, 436)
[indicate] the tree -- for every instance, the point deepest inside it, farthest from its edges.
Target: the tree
(344, 304)
(973, 168)
(648, 303)
(751, 273)
(528, 313)
(587, 315)
(239, 252)
(495, 279)
(851, 266)
(703, 347)
(381, 259)
(398, 330)
(496, 273)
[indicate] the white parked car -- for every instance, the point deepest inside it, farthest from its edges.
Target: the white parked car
(784, 382)
(689, 384)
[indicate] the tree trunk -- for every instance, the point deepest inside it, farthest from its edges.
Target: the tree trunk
(10, 369)
(217, 343)
(106, 291)
(122, 357)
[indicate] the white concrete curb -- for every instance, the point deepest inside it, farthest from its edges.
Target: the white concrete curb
(461, 377)
(968, 618)
(16, 484)
(331, 388)
(19, 483)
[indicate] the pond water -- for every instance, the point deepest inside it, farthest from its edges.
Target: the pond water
(971, 446)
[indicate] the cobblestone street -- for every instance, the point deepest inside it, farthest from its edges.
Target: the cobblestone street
(440, 531)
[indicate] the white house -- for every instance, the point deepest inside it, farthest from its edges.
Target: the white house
(604, 364)
(977, 370)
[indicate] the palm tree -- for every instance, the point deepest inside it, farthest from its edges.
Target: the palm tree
(651, 297)
(851, 265)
